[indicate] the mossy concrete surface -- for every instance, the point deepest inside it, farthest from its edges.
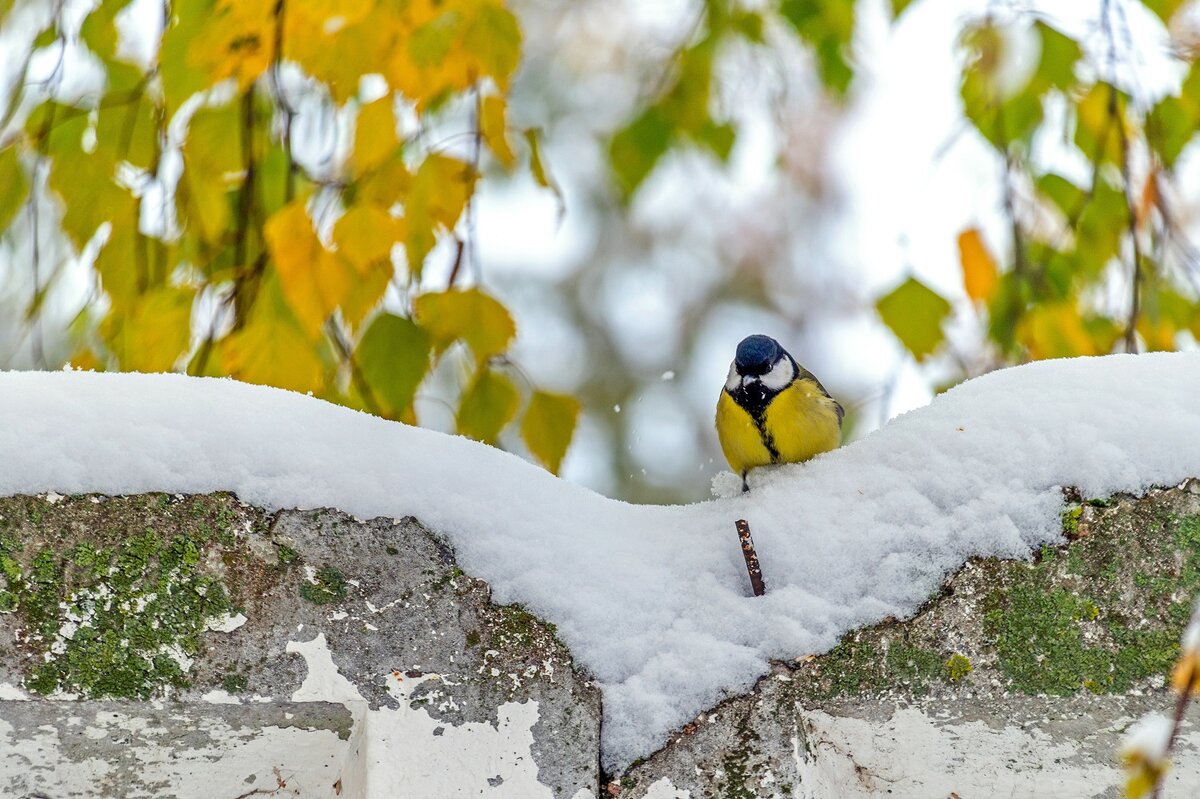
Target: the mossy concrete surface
(191, 610)
(1090, 627)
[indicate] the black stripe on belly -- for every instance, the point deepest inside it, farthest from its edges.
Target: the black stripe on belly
(756, 405)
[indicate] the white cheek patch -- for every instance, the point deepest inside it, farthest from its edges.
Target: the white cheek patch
(734, 379)
(780, 376)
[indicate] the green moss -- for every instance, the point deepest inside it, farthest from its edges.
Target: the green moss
(472, 638)
(913, 667)
(1070, 521)
(1132, 623)
(956, 667)
(391, 550)
(736, 763)
(235, 683)
(330, 586)
(106, 604)
(517, 626)
(287, 556)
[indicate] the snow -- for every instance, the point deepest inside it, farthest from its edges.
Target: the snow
(653, 600)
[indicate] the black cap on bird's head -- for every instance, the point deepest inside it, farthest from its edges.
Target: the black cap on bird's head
(757, 354)
(760, 370)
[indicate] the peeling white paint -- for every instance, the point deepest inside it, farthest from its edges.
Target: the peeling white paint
(403, 751)
(225, 623)
(219, 696)
(323, 683)
(915, 754)
(12, 693)
(665, 789)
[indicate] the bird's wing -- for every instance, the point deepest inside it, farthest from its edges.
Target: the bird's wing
(804, 374)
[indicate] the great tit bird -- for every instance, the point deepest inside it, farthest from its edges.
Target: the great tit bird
(773, 410)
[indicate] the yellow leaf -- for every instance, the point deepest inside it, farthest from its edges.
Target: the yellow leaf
(1158, 335)
(494, 126)
(549, 426)
(978, 267)
(313, 280)
(375, 137)
(1058, 331)
(365, 235)
(339, 50)
(487, 406)
(470, 316)
(386, 185)
(447, 45)
(366, 292)
(436, 199)
(272, 349)
(1185, 677)
(236, 41)
(154, 333)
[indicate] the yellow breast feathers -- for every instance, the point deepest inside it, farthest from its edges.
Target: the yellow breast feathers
(799, 422)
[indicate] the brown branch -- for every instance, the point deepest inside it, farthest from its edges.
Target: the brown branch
(463, 243)
(241, 297)
(346, 352)
(1131, 344)
(1181, 706)
(289, 113)
(750, 556)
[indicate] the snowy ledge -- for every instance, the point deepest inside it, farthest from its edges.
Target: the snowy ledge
(644, 595)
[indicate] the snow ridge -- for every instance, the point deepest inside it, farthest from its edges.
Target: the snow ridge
(653, 600)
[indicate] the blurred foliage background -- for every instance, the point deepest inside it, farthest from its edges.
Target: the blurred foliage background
(547, 225)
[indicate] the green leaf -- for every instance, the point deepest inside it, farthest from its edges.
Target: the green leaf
(180, 80)
(153, 334)
(1063, 193)
(131, 130)
(470, 316)
(748, 24)
(394, 357)
(1056, 68)
(548, 427)
(717, 137)
(827, 25)
(915, 312)
(84, 180)
(898, 7)
(14, 186)
(1163, 9)
(636, 149)
(212, 157)
(1169, 128)
(120, 273)
(46, 37)
(487, 406)
(1101, 226)
(99, 29)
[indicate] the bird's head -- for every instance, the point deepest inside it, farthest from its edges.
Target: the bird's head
(761, 369)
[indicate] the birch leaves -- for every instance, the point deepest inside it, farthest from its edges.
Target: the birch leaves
(221, 253)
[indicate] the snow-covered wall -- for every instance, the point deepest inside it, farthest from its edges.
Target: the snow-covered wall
(643, 594)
